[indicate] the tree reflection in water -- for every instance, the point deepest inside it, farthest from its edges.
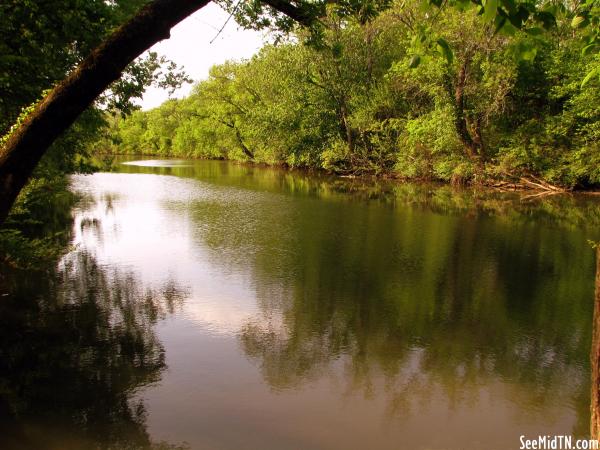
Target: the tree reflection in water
(76, 345)
(418, 290)
(414, 293)
(450, 302)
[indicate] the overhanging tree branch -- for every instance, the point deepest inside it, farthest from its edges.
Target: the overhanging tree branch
(55, 113)
(304, 16)
(61, 107)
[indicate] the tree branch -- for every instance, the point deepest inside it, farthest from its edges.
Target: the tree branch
(105, 64)
(302, 15)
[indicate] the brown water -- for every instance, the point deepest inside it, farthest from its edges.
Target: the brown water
(218, 306)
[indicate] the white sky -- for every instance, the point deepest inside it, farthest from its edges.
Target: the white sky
(190, 46)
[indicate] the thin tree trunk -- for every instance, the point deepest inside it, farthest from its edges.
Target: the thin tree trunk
(595, 358)
(245, 149)
(55, 113)
(238, 136)
(474, 127)
(456, 90)
(460, 120)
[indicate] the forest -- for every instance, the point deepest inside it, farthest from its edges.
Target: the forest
(397, 90)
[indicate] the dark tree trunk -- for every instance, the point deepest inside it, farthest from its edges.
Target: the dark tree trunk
(471, 139)
(595, 358)
(55, 113)
(460, 120)
(245, 149)
(238, 136)
(475, 127)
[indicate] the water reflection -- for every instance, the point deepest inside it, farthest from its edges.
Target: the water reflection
(434, 301)
(318, 313)
(577, 210)
(426, 302)
(75, 346)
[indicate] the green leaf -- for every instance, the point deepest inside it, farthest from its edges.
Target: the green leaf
(508, 29)
(463, 5)
(445, 50)
(490, 8)
(503, 26)
(519, 17)
(414, 61)
(546, 18)
(500, 22)
(509, 5)
(591, 74)
(529, 54)
(579, 21)
(589, 49)
(424, 6)
(526, 51)
(536, 31)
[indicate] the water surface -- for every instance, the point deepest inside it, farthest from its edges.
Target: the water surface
(220, 306)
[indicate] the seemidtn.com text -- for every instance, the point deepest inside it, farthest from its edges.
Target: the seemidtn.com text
(557, 443)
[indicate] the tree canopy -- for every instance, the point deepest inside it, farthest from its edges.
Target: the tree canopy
(401, 93)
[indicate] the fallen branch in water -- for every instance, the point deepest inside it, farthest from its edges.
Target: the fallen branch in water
(538, 184)
(525, 182)
(506, 186)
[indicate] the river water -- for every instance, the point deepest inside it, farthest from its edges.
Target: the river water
(210, 305)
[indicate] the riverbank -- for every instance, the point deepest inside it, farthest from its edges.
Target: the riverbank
(521, 182)
(356, 107)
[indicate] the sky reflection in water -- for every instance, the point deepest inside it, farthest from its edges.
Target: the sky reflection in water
(319, 313)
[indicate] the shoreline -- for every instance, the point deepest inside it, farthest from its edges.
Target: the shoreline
(525, 184)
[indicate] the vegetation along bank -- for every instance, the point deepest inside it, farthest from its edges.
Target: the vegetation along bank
(404, 93)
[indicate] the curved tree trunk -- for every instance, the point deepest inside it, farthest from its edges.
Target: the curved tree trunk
(55, 113)
(243, 146)
(74, 94)
(469, 133)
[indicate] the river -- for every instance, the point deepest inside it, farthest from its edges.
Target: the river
(211, 305)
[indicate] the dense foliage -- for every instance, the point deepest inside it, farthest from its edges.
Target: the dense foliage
(410, 92)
